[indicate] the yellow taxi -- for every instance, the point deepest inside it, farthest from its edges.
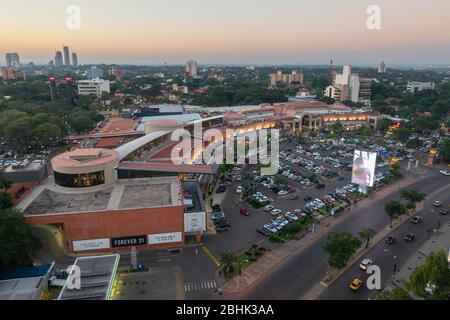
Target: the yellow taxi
(356, 284)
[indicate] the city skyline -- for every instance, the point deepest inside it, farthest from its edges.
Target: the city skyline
(214, 32)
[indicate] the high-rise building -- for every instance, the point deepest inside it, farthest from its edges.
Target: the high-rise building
(287, 79)
(69, 86)
(348, 86)
(382, 67)
(53, 90)
(118, 73)
(66, 56)
(93, 73)
(93, 87)
(12, 60)
(192, 68)
(13, 74)
(58, 59)
(74, 59)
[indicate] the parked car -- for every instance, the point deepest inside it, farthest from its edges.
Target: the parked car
(276, 212)
(268, 208)
(445, 172)
(239, 190)
(264, 231)
(244, 211)
(444, 212)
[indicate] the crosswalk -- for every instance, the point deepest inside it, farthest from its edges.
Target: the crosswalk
(205, 285)
(212, 256)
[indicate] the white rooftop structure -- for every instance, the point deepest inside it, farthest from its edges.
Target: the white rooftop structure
(97, 278)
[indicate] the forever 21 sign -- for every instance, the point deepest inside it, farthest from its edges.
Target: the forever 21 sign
(128, 241)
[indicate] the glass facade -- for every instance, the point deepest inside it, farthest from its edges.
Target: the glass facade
(80, 180)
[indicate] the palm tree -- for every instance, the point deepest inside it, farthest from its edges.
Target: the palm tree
(227, 259)
(413, 197)
(394, 209)
(367, 233)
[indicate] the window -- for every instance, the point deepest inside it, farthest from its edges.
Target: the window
(80, 180)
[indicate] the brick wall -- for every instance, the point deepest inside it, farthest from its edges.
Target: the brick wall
(117, 224)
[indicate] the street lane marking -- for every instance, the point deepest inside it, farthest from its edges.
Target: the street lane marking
(324, 284)
(198, 286)
(212, 256)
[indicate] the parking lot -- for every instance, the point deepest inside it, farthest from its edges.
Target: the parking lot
(314, 181)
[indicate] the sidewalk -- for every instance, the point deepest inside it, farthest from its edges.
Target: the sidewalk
(440, 241)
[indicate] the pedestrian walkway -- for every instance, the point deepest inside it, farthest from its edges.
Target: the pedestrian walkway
(204, 285)
(439, 241)
(212, 256)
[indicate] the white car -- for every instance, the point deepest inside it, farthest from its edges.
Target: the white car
(276, 212)
(268, 208)
(445, 172)
(366, 263)
(282, 193)
(271, 228)
(292, 216)
(239, 190)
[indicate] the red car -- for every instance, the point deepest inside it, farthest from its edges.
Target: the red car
(244, 211)
(410, 237)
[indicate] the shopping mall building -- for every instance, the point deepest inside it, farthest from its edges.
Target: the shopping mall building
(110, 200)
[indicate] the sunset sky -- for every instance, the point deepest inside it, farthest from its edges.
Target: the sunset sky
(229, 31)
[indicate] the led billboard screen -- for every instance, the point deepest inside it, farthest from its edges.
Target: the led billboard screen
(364, 163)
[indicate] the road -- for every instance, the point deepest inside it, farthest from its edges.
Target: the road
(384, 255)
(304, 270)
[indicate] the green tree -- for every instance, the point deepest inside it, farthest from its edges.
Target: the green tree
(383, 125)
(444, 150)
(340, 247)
(413, 197)
(17, 245)
(5, 184)
(396, 294)
(228, 259)
(80, 122)
(367, 234)
(402, 134)
(394, 209)
(337, 128)
(432, 279)
(414, 143)
(6, 201)
(18, 134)
(48, 134)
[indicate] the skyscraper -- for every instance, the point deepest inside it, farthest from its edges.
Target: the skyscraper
(93, 73)
(52, 85)
(382, 67)
(69, 86)
(74, 59)
(191, 68)
(12, 60)
(58, 59)
(66, 56)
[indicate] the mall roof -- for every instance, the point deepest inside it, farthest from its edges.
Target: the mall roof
(187, 117)
(167, 167)
(97, 278)
(134, 145)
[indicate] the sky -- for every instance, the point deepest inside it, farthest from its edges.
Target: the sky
(253, 32)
